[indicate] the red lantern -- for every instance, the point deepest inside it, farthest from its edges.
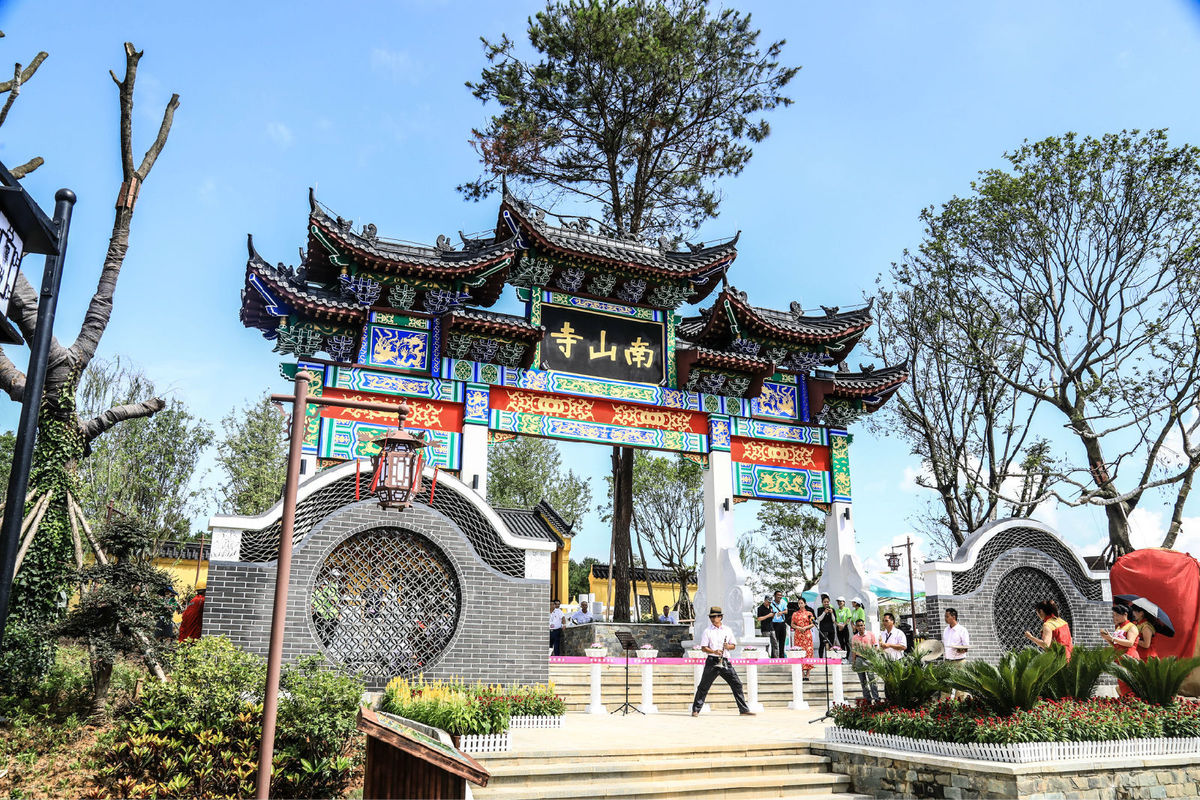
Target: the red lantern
(398, 465)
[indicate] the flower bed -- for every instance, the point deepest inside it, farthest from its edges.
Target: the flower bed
(478, 716)
(968, 722)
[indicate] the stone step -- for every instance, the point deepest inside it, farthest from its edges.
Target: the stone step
(706, 751)
(666, 770)
(724, 785)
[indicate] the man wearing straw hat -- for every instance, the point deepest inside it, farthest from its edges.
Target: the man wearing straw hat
(716, 641)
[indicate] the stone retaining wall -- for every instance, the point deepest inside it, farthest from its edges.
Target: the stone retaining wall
(883, 775)
(665, 638)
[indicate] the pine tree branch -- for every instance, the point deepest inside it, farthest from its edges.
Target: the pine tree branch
(101, 423)
(100, 309)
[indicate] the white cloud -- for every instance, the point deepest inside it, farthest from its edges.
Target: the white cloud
(280, 134)
(908, 478)
(396, 63)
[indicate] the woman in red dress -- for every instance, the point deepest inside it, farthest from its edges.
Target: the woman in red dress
(1124, 640)
(1054, 628)
(802, 633)
(1145, 642)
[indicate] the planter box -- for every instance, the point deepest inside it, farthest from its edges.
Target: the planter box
(697, 654)
(795, 654)
(486, 743)
(1022, 753)
(647, 654)
(754, 653)
(596, 652)
(536, 722)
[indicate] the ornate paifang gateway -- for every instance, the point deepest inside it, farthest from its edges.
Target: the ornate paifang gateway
(761, 397)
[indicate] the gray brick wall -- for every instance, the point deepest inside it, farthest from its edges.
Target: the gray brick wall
(977, 610)
(501, 636)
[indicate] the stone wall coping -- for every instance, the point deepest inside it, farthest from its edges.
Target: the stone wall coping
(999, 767)
(967, 553)
(445, 480)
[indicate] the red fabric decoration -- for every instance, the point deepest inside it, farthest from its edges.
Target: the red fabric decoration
(1170, 580)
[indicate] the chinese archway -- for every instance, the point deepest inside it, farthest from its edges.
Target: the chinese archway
(761, 398)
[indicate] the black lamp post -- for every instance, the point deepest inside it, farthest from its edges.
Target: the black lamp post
(893, 560)
(37, 234)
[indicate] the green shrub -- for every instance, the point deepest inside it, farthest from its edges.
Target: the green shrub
(1078, 678)
(448, 705)
(1016, 682)
(199, 733)
(1181, 718)
(908, 681)
(1155, 680)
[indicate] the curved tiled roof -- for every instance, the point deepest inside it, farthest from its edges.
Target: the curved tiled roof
(882, 381)
(286, 287)
(713, 327)
(622, 252)
(600, 571)
(541, 522)
(492, 322)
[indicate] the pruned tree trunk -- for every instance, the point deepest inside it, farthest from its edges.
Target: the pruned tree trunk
(622, 517)
(646, 573)
(102, 678)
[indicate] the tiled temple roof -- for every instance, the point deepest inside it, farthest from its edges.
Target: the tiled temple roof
(491, 322)
(541, 523)
(880, 383)
(714, 328)
(600, 572)
(272, 292)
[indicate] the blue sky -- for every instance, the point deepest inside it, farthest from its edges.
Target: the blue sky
(897, 107)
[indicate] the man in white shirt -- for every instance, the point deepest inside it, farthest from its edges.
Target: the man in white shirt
(557, 618)
(668, 617)
(716, 641)
(955, 639)
(582, 617)
(892, 640)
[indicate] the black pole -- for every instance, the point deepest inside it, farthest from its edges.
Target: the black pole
(35, 382)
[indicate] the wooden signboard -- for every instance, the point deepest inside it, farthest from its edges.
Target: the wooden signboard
(403, 762)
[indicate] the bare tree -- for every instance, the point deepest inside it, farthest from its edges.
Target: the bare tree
(969, 428)
(21, 76)
(1083, 259)
(63, 437)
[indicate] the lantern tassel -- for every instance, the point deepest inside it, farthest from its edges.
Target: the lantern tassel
(433, 485)
(357, 474)
(378, 473)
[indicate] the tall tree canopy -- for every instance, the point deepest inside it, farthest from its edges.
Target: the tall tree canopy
(148, 467)
(1081, 259)
(637, 106)
(252, 455)
(64, 437)
(787, 551)
(525, 471)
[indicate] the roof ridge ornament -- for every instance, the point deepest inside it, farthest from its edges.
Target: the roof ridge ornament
(830, 310)
(443, 245)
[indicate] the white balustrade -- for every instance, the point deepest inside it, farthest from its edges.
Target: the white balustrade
(752, 686)
(596, 707)
(797, 703)
(839, 690)
(697, 671)
(647, 705)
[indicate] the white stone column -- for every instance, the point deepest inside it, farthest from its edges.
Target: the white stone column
(752, 688)
(839, 688)
(475, 457)
(844, 575)
(595, 706)
(797, 703)
(722, 576)
(647, 705)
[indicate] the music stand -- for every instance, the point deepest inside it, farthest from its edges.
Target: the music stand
(628, 643)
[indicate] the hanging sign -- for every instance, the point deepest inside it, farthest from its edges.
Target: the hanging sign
(11, 248)
(591, 343)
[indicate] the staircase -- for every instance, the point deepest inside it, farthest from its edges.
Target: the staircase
(764, 770)
(673, 689)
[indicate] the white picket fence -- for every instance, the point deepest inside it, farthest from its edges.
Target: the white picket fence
(1023, 753)
(527, 721)
(485, 743)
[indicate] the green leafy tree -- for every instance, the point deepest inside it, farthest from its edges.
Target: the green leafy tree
(148, 467)
(525, 471)
(638, 106)
(252, 454)
(123, 606)
(577, 576)
(1081, 259)
(787, 551)
(64, 437)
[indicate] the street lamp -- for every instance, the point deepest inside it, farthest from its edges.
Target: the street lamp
(24, 228)
(893, 560)
(398, 465)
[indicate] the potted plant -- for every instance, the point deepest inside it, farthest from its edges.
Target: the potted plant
(750, 651)
(796, 652)
(596, 650)
(647, 651)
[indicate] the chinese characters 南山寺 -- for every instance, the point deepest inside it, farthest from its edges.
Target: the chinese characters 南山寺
(609, 352)
(639, 354)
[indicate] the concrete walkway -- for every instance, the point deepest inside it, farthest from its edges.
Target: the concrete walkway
(673, 729)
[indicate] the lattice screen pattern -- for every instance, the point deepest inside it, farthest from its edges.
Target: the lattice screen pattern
(262, 546)
(970, 580)
(1012, 605)
(385, 602)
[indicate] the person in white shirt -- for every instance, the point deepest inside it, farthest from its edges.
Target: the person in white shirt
(582, 617)
(668, 617)
(955, 639)
(716, 641)
(557, 619)
(892, 640)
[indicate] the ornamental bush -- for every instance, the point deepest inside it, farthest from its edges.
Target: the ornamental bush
(1017, 682)
(1066, 720)
(462, 710)
(1081, 674)
(1155, 680)
(198, 734)
(908, 681)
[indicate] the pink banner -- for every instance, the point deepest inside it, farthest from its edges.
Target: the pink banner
(691, 662)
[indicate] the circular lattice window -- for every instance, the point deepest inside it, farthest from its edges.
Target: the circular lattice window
(1013, 605)
(385, 602)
